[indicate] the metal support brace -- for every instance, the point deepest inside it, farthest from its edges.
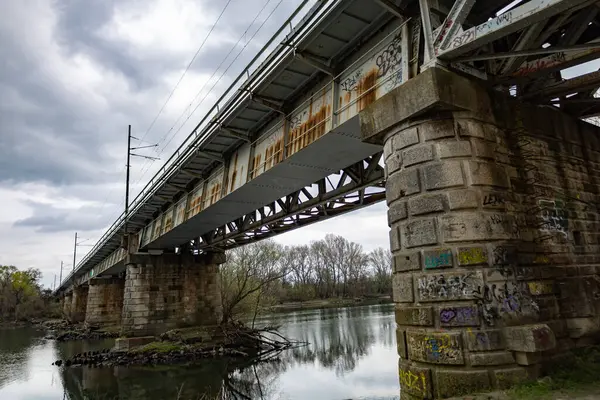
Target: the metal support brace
(314, 62)
(212, 155)
(453, 23)
(504, 24)
(405, 53)
(532, 52)
(578, 26)
(235, 133)
(427, 30)
(225, 185)
(391, 7)
(273, 104)
(302, 208)
(527, 40)
(176, 187)
(192, 174)
(564, 88)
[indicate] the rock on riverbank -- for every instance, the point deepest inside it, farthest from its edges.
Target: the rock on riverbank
(64, 331)
(186, 345)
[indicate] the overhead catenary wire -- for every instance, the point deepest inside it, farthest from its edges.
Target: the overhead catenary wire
(316, 13)
(186, 70)
(105, 201)
(216, 83)
(220, 65)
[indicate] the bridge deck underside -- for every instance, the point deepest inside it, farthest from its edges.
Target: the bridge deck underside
(330, 153)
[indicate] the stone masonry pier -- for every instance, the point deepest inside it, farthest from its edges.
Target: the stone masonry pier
(105, 301)
(168, 291)
(79, 303)
(493, 209)
(67, 301)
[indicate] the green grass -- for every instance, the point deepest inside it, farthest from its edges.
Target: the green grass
(576, 374)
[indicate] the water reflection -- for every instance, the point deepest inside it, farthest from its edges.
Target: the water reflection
(351, 355)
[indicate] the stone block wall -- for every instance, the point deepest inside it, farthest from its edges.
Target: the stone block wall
(79, 303)
(105, 301)
(495, 231)
(169, 291)
(67, 301)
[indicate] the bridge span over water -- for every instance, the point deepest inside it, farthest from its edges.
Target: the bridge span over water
(458, 113)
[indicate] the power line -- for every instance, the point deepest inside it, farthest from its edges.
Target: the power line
(221, 77)
(147, 166)
(186, 70)
(217, 69)
(172, 92)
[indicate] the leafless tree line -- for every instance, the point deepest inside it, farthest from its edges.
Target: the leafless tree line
(267, 272)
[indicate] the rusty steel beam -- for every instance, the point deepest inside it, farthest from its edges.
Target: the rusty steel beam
(566, 87)
(552, 63)
(302, 208)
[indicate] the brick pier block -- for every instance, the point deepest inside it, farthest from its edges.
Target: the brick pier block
(493, 212)
(79, 303)
(170, 291)
(105, 301)
(67, 302)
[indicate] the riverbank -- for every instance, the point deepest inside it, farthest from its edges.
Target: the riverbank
(63, 331)
(187, 345)
(577, 376)
(329, 303)
(34, 322)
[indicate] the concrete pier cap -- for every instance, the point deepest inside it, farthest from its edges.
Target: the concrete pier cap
(492, 215)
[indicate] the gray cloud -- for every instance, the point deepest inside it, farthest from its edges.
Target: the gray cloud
(50, 219)
(59, 129)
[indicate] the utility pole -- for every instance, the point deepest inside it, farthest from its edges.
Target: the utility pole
(127, 174)
(75, 251)
(54, 285)
(127, 178)
(61, 267)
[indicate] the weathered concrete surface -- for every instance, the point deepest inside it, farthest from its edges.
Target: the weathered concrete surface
(79, 303)
(170, 291)
(493, 210)
(105, 301)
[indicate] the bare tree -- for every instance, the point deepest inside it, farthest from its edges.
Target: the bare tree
(248, 277)
(380, 260)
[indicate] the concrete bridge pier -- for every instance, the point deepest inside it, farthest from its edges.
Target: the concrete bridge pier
(168, 291)
(79, 303)
(105, 301)
(493, 212)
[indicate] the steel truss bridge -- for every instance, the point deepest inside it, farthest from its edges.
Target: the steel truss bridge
(281, 147)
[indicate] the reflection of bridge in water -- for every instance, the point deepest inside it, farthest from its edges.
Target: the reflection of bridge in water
(463, 102)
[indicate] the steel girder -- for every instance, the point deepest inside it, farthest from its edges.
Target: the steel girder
(357, 186)
(521, 47)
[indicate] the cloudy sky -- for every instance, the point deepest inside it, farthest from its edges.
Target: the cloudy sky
(74, 74)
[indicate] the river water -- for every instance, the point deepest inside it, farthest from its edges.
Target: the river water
(352, 355)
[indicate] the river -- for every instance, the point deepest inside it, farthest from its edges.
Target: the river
(352, 355)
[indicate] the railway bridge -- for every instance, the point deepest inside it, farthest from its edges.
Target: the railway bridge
(465, 116)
